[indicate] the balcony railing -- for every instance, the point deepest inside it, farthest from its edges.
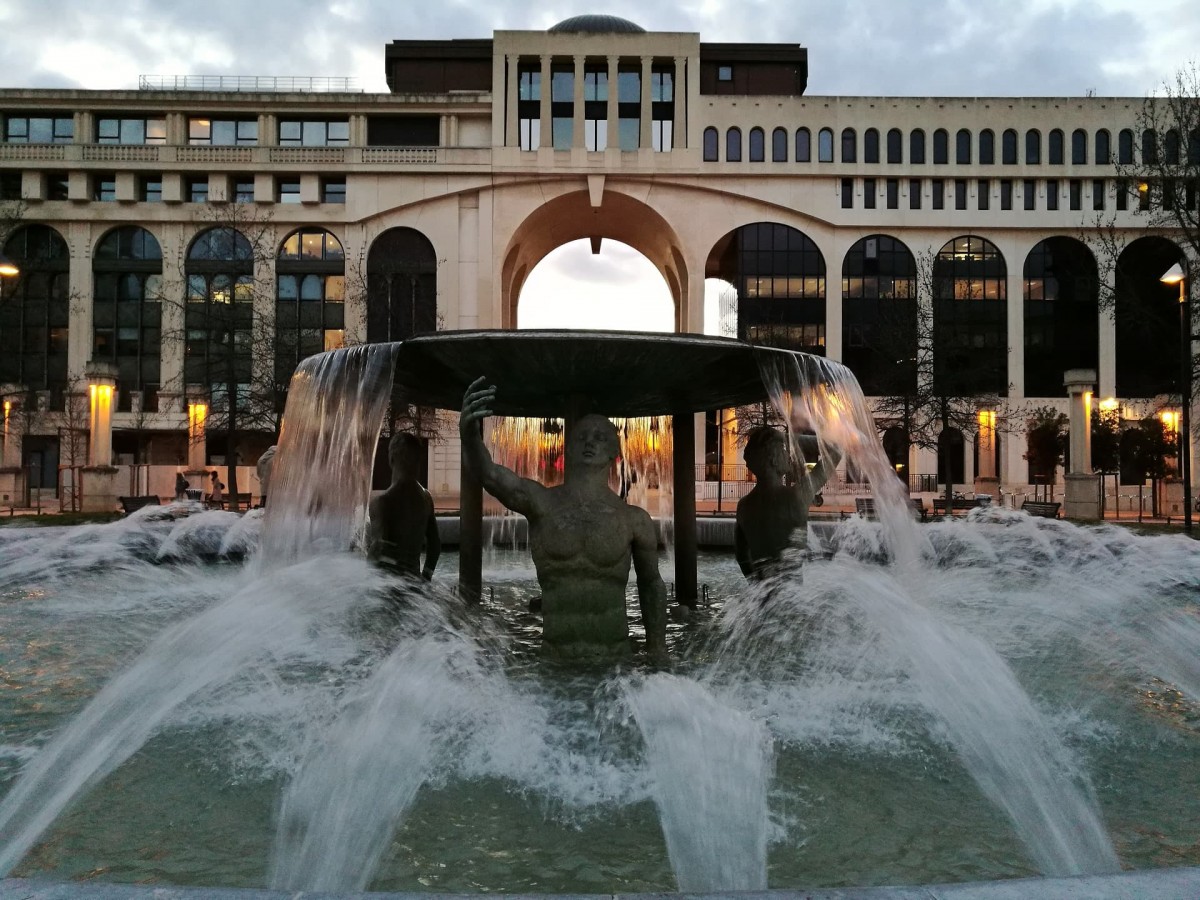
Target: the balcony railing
(252, 83)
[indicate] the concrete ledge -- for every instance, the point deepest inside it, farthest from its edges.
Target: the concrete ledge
(1161, 884)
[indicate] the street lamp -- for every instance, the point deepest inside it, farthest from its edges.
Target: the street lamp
(1175, 275)
(7, 267)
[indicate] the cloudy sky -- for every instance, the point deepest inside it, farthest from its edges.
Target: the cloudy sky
(871, 47)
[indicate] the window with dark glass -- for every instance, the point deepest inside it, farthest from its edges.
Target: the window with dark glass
(849, 145)
(1168, 194)
(1051, 193)
(939, 193)
(1079, 144)
(893, 193)
(39, 129)
(758, 150)
(1008, 148)
(983, 189)
(57, 185)
(987, 147)
(711, 142)
(1029, 193)
(150, 188)
(733, 145)
(529, 112)
(287, 189)
(803, 145)
(1143, 190)
(960, 193)
(333, 190)
(962, 147)
(662, 109)
(629, 108)
(314, 133)
(941, 147)
(104, 186)
(562, 106)
(1098, 189)
(1125, 147)
(1055, 147)
(1075, 191)
(914, 193)
(1006, 193)
(1033, 147)
(1061, 321)
(595, 109)
(869, 192)
(1171, 147)
(825, 145)
(916, 147)
(1103, 147)
(310, 293)
(243, 188)
(879, 315)
(131, 131)
(970, 327)
(871, 145)
(847, 193)
(223, 132)
(127, 312)
(196, 188)
(895, 146)
(1149, 147)
(10, 185)
(779, 145)
(35, 316)
(1122, 194)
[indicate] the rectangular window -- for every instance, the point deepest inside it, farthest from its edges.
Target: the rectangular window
(39, 130)
(243, 188)
(1006, 193)
(1076, 193)
(56, 185)
(869, 193)
(1029, 193)
(1098, 187)
(1143, 196)
(529, 98)
(197, 189)
(562, 107)
(10, 185)
(1122, 195)
(960, 193)
(287, 190)
(1051, 193)
(595, 109)
(893, 193)
(662, 110)
(847, 193)
(983, 190)
(939, 194)
(724, 73)
(104, 186)
(150, 188)
(333, 190)
(629, 109)
(223, 132)
(314, 133)
(914, 193)
(131, 131)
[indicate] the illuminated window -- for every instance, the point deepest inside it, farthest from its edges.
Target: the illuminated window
(223, 132)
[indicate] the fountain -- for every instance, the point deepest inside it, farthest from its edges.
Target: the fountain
(988, 699)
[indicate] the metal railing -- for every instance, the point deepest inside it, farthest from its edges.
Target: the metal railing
(267, 83)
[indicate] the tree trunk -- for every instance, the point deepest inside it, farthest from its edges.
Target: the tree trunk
(231, 431)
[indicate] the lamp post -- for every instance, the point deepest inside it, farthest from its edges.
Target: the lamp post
(7, 267)
(1175, 275)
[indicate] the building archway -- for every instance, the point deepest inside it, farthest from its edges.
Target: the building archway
(1062, 326)
(572, 217)
(1147, 319)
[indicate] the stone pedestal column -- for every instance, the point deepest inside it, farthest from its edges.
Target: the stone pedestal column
(1082, 500)
(197, 412)
(987, 481)
(99, 477)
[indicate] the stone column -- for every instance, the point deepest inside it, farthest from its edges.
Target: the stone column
(1082, 487)
(645, 142)
(99, 477)
(547, 136)
(679, 125)
(986, 479)
(613, 139)
(197, 413)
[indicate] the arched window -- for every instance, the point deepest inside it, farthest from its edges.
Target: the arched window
(1079, 144)
(1194, 147)
(310, 299)
(733, 145)
(1055, 147)
(1008, 149)
(825, 145)
(779, 275)
(1171, 147)
(970, 327)
(871, 145)
(1146, 319)
(879, 315)
(127, 313)
(401, 286)
(758, 142)
(1149, 147)
(916, 146)
(987, 147)
(711, 142)
(1103, 147)
(951, 457)
(1125, 147)
(941, 147)
(849, 145)
(779, 145)
(219, 319)
(895, 146)
(1033, 147)
(803, 145)
(1061, 314)
(896, 446)
(35, 315)
(962, 147)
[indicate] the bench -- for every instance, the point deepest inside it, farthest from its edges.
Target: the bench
(865, 506)
(960, 504)
(129, 504)
(243, 502)
(1041, 508)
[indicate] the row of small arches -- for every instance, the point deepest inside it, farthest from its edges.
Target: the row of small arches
(968, 147)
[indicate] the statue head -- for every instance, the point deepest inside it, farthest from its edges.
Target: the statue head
(404, 455)
(592, 441)
(766, 453)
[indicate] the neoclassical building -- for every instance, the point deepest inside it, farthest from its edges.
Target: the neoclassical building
(199, 233)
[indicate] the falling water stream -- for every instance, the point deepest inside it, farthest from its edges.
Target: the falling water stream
(961, 700)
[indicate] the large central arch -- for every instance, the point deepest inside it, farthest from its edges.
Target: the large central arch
(572, 217)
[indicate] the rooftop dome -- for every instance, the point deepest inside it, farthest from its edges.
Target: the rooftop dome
(596, 25)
